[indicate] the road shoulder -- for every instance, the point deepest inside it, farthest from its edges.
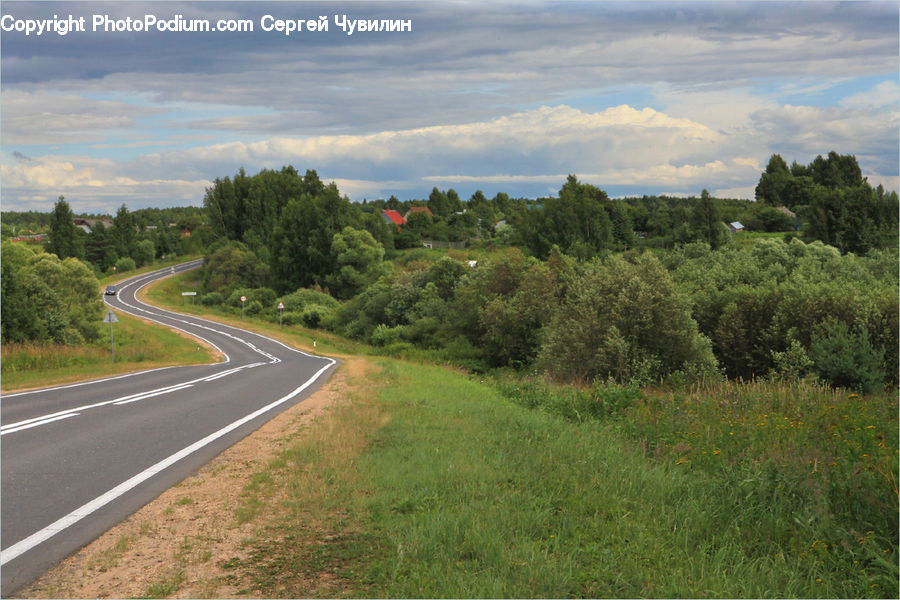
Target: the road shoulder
(184, 539)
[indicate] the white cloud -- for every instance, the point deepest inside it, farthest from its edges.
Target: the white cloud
(51, 118)
(638, 149)
(885, 94)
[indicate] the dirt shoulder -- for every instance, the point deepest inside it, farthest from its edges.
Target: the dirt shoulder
(179, 545)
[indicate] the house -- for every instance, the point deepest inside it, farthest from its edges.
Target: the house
(418, 209)
(392, 217)
(735, 226)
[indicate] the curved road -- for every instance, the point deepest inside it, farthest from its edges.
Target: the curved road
(79, 458)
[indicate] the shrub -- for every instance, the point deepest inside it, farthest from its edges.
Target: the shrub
(125, 264)
(211, 299)
(303, 297)
(313, 315)
(265, 296)
(845, 358)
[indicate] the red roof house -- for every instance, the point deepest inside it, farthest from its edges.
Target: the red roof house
(392, 217)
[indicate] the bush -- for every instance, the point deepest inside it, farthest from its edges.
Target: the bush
(265, 296)
(211, 299)
(254, 307)
(626, 321)
(314, 315)
(125, 264)
(303, 297)
(845, 358)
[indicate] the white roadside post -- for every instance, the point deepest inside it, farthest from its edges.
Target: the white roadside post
(243, 300)
(280, 313)
(111, 318)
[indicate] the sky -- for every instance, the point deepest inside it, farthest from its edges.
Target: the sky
(633, 97)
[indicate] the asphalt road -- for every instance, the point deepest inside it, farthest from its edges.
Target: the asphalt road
(77, 459)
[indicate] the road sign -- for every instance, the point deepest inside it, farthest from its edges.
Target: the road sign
(281, 306)
(188, 293)
(243, 298)
(111, 318)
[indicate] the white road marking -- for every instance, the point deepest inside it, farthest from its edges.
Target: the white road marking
(87, 509)
(152, 395)
(18, 426)
(39, 422)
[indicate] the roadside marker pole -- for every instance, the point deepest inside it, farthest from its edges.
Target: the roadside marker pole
(111, 318)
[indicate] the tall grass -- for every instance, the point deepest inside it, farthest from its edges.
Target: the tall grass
(449, 489)
(800, 469)
(138, 345)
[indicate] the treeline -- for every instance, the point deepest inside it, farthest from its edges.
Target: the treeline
(836, 202)
(132, 239)
(560, 299)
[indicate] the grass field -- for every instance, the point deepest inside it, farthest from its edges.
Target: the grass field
(431, 484)
(138, 346)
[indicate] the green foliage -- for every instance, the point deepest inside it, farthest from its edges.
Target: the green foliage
(305, 297)
(126, 263)
(762, 305)
(708, 223)
(359, 262)
(627, 321)
(124, 232)
(65, 240)
(578, 221)
(211, 299)
(232, 265)
(845, 358)
(144, 253)
(48, 300)
(839, 206)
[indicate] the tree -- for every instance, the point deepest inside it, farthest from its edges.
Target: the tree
(772, 183)
(230, 266)
(46, 299)
(124, 232)
(627, 321)
(439, 203)
(144, 253)
(99, 249)
(359, 260)
(64, 238)
(707, 222)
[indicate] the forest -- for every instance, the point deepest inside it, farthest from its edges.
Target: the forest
(579, 287)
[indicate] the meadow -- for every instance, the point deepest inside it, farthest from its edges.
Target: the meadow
(431, 483)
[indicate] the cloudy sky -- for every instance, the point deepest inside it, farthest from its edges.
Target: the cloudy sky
(635, 97)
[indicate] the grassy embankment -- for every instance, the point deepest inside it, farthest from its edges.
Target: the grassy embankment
(430, 483)
(138, 346)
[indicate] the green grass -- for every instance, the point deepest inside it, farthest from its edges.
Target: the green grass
(437, 485)
(138, 345)
(167, 293)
